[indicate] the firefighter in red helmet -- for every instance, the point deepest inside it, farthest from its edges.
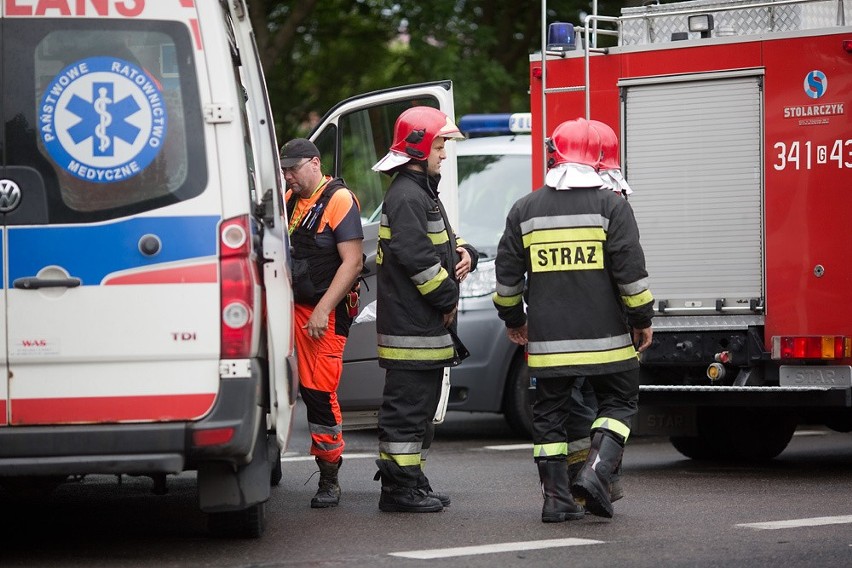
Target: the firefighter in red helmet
(571, 253)
(609, 167)
(420, 264)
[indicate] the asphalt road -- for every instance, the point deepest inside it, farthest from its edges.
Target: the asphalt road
(677, 512)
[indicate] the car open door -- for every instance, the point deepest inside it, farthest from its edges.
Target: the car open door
(352, 137)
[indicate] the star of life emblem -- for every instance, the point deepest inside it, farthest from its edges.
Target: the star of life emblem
(103, 119)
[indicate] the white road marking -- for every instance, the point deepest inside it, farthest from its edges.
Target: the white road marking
(793, 523)
(294, 457)
(509, 447)
(492, 548)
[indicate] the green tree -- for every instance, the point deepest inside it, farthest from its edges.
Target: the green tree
(317, 53)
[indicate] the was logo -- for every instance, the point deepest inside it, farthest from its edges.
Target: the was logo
(103, 119)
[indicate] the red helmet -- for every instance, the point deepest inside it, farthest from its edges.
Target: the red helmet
(414, 131)
(574, 142)
(609, 146)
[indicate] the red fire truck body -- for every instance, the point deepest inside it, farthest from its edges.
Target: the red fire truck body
(738, 146)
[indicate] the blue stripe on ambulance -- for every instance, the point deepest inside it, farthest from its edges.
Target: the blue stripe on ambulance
(92, 252)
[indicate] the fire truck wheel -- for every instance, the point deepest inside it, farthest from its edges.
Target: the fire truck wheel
(518, 397)
(737, 434)
(755, 434)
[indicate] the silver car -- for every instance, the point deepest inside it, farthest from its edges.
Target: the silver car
(493, 172)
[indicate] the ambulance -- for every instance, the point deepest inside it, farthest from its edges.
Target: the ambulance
(146, 288)
(735, 137)
(146, 306)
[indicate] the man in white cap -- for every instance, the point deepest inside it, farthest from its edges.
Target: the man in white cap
(571, 253)
(420, 264)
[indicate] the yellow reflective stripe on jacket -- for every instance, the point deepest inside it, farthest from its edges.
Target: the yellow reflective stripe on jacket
(439, 238)
(612, 425)
(507, 301)
(638, 299)
(582, 358)
(551, 449)
(434, 282)
(541, 236)
(415, 353)
(415, 348)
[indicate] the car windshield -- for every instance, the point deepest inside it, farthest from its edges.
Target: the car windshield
(488, 187)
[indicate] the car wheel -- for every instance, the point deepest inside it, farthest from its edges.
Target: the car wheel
(518, 397)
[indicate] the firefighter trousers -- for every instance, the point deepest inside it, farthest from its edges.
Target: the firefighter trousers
(617, 396)
(320, 364)
(405, 418)
(582, 411)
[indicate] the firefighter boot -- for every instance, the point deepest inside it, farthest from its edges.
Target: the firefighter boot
(328, 494)
(575, 464)
(616, 490)
(558, 505)
(423, 483)
(593, 481)
(400, 492)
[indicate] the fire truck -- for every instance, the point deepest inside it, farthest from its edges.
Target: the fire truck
(735, 139)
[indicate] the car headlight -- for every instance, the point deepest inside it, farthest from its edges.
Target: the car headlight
(482, 282)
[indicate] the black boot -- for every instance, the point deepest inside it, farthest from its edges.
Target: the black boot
(577, 459)
(328, 494)
(559, 505)
(400, 492)
(593, 481)
(616, 490)
(423, 484)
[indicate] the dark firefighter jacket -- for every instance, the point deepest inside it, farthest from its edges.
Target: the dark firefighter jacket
(416, 260)
(586, 282)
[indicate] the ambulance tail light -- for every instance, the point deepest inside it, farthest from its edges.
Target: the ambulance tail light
(212, 436)
(237, 288)
(811, 347)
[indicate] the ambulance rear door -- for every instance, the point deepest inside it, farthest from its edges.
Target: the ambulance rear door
(10, 194)
(110, 220)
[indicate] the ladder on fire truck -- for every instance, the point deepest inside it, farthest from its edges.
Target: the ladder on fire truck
(590, 32)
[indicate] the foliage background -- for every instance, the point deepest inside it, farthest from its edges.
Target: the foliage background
(318, 53)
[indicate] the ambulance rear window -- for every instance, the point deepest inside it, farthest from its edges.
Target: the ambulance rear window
(106, 112)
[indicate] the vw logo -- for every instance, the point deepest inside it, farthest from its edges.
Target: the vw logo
(10, 195)
(815, 84)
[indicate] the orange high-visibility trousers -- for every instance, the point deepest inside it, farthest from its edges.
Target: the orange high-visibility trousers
(320, 364)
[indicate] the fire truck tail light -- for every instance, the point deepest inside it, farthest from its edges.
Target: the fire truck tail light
(847, 45)
(812, 347)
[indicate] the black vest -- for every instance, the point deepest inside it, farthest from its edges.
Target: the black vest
(314, 267)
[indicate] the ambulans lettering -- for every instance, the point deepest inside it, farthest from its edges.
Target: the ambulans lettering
(805, 155)
(103, 119)
(126, 8)
(551, 257)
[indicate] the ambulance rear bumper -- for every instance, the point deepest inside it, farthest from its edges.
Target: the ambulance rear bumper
(146, 448)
